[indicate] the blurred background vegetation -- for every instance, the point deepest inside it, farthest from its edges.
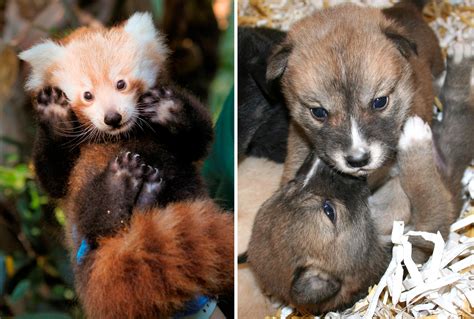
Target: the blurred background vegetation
(35, 275)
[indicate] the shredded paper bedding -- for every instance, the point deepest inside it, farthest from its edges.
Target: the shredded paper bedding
(443, 287)
(451, 20)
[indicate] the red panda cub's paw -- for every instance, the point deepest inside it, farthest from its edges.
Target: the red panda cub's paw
(152, 186)
(121, 184)
(161, 105)
(137, 184)
(109, 202)
(53, 108)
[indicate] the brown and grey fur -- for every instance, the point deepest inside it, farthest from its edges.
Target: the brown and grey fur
(341, 58)
(300, 257)
(258, 179)
(408, 13)
(458, 102)
(453, 139)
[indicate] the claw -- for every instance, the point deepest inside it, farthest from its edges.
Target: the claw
(149, 169)
(168, 92)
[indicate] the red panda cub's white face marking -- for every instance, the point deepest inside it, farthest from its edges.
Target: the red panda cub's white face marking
(101, 71)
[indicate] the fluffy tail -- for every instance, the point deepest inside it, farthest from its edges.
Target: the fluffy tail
(166, 258)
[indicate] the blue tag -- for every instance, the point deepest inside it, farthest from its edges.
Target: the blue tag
(82, 251)
(192, 306)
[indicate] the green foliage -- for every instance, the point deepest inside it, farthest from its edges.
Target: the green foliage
(158, 9)
(13, 180)
(35, 276)
(224, 79)
(218, 169)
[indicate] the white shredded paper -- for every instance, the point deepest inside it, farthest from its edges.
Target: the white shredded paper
(457, 26)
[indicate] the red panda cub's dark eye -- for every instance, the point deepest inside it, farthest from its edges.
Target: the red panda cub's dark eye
(88, 96)
(121, 85)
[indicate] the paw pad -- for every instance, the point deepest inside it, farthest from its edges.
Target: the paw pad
(156, 94)
(51, 96)
(461, 52)
(52, 103)
(160, 105)
(130, 165)
(153, 183)
(415, 131)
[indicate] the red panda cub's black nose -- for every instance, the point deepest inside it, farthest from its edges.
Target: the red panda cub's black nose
(113, 119)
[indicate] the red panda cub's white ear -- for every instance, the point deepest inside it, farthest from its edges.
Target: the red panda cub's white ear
(150, 44)
(41, 57)
(140, 26)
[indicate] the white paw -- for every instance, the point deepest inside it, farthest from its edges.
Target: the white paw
(415, 131)
(166, 111)
(53, 111)
(459, 52)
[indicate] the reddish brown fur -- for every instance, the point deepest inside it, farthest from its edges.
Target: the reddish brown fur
(163, 260)
(135, 86)
(408, 15)
(95, 159)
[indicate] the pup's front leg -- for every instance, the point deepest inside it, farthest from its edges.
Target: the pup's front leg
(179, 119)
(430, 201)
(454, 135)
(456, 87)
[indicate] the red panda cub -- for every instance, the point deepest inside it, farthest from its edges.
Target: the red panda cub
(118, 145)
